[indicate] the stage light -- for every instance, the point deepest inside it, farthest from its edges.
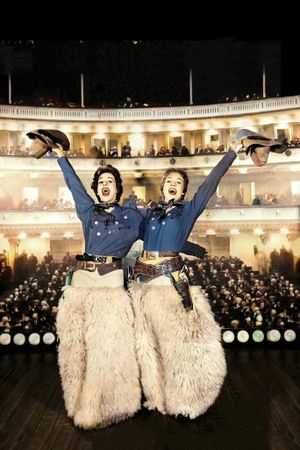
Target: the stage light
(228, 336)
(5, 339)
(19, 339)
(210, 232)
(273, 335)
(258, 336)
(243, 336)
(68, 235)
(48, 338)
(258, 231)
(34, 339)
(289, 335)
(284, 230)
(22, 235)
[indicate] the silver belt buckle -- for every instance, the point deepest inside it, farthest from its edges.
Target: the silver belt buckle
(90, 265)
(152, 254)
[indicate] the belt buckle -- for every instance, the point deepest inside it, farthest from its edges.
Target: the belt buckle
(152, 254)
(90, 263)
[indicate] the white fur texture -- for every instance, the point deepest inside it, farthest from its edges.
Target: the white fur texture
(96, 356)
(181, 359)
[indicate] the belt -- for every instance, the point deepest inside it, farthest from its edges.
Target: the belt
(155, 255)
(102, 268)
(156, 270)
(97, 258)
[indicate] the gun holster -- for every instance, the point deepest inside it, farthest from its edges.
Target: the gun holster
(183, 289)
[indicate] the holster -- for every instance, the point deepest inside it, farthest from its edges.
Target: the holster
(183, 289)
(150, 272)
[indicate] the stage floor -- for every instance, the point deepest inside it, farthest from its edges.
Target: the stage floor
(258, 409)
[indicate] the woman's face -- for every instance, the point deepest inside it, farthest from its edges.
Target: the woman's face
(107, 188)
(173, 187)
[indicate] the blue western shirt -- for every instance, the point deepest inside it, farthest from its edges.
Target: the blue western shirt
(106, 234)
(171, 233)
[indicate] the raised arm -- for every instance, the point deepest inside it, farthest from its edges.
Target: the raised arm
(83, 201)
(195, 207)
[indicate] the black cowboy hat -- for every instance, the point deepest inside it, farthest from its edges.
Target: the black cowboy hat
(55, 136)
(259, 146)
(49, 137)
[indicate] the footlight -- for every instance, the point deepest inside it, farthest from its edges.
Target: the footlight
(289, 335)
(48, 338)
(19, 339)
(228, 336)
(273, 335)
(5, 339)
(34, 339)
(258, 336)
(243, 336)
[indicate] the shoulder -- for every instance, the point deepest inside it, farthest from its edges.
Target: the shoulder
(133, 211)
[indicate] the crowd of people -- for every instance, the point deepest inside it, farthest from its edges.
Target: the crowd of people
(239, 296)
(243, 298)
(126, 150)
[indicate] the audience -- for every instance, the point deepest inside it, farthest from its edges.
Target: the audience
(239, 296)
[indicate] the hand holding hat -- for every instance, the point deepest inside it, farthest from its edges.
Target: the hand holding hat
(46, 140)
(259, 146)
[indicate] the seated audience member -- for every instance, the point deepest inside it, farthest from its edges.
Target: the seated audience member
(150, 151)
(113, 152)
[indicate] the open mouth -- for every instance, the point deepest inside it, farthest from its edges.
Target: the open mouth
(172, 191)
(105, 192)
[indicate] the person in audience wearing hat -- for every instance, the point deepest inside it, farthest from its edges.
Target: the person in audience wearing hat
(95, 323)
(178, 345)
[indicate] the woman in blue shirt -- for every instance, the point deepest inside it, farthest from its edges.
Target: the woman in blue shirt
(95, 323)
(95, 320)
(178, 345)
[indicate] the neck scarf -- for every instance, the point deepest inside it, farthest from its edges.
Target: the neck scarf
(160, 209)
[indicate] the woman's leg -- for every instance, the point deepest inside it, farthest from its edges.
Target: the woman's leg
(111, 389)
(148, 351)
(185, 346)
(70, 324)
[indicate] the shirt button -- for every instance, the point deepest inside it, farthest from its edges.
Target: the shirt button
(153, 218)
(117, 223)
(109, 232)
(163, 223)
(168, 214)
(125, 217)
(98, 233)
(96, 222)
(153, 228)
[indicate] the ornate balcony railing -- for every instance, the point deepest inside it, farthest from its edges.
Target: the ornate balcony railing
(144, 114)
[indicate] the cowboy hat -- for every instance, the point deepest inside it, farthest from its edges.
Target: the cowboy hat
(259, 146)
(45, 140)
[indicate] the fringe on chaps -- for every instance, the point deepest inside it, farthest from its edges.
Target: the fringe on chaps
(96, 355)
(181, 359)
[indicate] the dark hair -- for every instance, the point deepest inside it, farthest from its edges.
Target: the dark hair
(184, 176)
(116, 175)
